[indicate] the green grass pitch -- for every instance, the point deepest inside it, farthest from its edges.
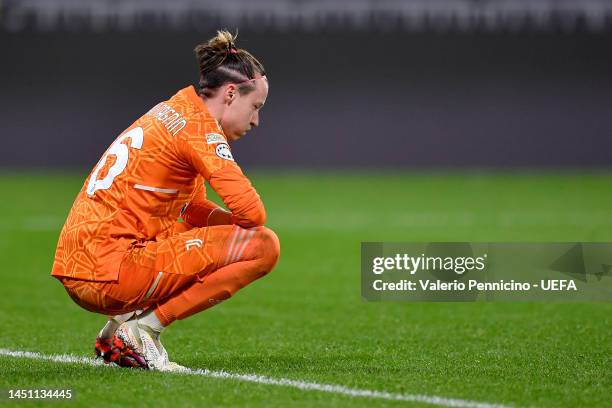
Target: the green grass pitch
(306, 320)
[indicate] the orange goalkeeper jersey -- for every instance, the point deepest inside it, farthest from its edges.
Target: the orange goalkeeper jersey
(142, 182)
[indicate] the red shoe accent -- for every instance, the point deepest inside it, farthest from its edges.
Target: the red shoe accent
(116, 351)
(126, 357)
(104, 349)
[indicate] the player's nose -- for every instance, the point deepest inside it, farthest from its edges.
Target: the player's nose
(255, 120)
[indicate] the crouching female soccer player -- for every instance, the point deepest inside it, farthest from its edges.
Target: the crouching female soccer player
(122, 251)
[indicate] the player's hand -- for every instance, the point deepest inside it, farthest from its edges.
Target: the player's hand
(219, 216)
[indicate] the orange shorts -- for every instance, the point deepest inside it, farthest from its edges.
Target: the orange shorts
(160, 269)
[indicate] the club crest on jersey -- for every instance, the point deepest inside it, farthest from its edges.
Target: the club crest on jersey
(223, 151)
(212, 138)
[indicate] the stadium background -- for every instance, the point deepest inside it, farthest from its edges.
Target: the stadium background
(530, 87)
(386, 121)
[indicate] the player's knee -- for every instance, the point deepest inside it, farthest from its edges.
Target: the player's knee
(270, 248)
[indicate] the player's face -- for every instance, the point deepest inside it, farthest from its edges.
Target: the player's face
(242, 111)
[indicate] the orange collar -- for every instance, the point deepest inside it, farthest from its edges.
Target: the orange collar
(195, 99)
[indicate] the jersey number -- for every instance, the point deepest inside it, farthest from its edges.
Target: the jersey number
(122, 154)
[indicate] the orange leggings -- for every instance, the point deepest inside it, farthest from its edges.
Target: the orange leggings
(184, 274)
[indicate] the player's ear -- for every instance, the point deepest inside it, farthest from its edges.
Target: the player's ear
(230, 93)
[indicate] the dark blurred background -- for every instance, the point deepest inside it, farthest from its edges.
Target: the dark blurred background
(398, 84)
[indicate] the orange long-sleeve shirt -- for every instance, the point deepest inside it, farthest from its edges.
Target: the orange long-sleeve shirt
(137, 190)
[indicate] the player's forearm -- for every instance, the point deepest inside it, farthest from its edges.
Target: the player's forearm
(239, 196)
(205, 213)
(252, 216)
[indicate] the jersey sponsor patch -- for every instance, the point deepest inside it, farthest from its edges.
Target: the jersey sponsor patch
(212, 138)
(224, 152)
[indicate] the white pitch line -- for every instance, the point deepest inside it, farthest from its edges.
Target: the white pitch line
(285, 382)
